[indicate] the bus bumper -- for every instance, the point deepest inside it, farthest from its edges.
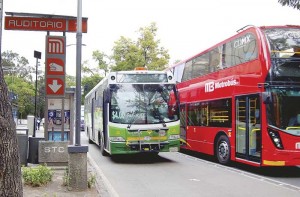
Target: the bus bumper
(136, 147)
(282, 158)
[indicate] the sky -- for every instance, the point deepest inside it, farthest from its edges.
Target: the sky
(185, 27)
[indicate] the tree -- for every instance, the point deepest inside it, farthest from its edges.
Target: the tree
(154, 57)
(89, 83)
(15, 65)
(19, 79)
(100, 58)
(294, 3)
(70, 81)
(128, 54)
(25, 92)
(10, 168)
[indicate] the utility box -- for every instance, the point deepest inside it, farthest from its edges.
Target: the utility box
(30, 124)
(22, 137)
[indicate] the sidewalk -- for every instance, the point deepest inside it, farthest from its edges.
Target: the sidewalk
(56, 187)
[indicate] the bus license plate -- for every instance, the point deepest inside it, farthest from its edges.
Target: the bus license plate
(173, 149)
(298, 145)
(147, 138)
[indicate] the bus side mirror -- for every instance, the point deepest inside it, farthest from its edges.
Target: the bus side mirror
(267, 97)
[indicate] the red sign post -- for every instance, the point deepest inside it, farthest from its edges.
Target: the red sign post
(55, 65)
(55, 86)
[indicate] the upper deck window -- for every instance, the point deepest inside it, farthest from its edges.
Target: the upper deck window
(284, 44)
(238, 51)
(283, 40)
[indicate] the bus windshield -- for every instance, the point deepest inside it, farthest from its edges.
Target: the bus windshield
(285, 116)
(284, 45)
(142, 103)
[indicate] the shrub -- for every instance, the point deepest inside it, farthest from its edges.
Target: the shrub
(91, 181)
(37, 176)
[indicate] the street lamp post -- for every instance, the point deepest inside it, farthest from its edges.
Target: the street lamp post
(78, 153)
(37, 55)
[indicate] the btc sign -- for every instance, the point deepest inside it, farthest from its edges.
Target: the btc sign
(55, 65)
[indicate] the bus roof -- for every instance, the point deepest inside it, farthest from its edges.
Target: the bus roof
(239, 31)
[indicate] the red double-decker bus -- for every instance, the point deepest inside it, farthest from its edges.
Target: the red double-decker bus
(240, 99)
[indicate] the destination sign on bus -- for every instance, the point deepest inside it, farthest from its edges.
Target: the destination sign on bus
(141, 78)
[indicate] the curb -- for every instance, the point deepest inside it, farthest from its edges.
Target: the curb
(109, 188)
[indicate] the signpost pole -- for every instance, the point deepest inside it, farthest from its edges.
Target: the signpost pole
(37, 55)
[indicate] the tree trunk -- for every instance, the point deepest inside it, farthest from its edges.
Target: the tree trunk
(10, 169)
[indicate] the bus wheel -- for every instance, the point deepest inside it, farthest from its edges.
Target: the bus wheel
(102, 150)
(223, 150)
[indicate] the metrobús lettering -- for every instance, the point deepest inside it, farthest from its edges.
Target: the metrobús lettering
(231, 82)
(211, 86)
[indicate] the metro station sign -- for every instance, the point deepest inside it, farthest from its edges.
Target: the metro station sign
(55, 86)
(55, 66)
(43, 24)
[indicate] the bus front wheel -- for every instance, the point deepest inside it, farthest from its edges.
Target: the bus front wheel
(223, 150)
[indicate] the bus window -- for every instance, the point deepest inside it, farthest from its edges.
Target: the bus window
(220, 113)
(241, 50)
(200, 65)
(187, 72)
(215, 57)
(194, 114)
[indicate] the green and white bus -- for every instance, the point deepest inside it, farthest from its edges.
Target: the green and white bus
(131, 112)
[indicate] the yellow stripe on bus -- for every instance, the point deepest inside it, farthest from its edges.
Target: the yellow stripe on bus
(142, 138)
(274, 163)
(183, 141)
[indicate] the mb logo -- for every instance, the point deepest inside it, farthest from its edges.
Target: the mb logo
(209, 87)
(55, 46)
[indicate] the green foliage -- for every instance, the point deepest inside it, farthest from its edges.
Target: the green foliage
(89, 82)
(14, 64)
(70, 81)
(18, 77)
(37, 176)
(25, 91)
(129, 54)
(66, 178)
(101, 58)
(294, 4)
(91, 181)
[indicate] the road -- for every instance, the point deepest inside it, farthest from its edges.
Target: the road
(190, 174)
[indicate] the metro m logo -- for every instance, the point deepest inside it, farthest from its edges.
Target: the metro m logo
(55, 46)
(209, 87)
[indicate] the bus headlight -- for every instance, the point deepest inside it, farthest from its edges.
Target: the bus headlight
(275, 138)
(117, 139)
(174, 137)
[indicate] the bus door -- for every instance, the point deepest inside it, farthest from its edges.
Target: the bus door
(183, 124)
(248, 128)
(92, 117)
